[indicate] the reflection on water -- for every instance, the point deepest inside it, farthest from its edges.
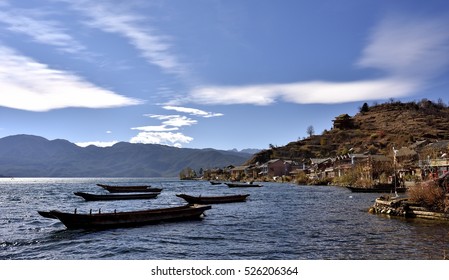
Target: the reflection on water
(279, 221)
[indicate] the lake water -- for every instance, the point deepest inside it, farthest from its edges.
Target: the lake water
(278, 221)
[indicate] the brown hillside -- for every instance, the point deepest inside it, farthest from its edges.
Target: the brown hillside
(374, 130)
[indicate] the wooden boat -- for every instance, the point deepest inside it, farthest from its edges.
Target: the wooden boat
(123, 189)
(94, 197)
(126, 219)
(215, 183)
(382, 188)
(243, 185)
(213, 199)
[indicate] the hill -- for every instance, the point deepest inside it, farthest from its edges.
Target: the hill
(374, 130)
(34, 156)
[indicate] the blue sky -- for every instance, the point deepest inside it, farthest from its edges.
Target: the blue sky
(210, 73)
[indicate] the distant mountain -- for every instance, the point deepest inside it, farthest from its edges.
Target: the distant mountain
(246, 151)
(34, 156)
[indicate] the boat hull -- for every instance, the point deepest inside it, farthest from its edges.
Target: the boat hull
(97, 197)
(377, 189)
(127, 219)
(128, 189)
(243, 185)
(213, 199)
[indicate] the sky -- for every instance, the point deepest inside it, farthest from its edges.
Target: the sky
(222, 74)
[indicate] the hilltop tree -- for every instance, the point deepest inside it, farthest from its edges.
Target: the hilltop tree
(364, 108)
(310, 131)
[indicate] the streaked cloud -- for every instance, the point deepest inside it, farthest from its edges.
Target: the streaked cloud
(408, 47)
(154, 47)
(27, 84)
(32, 24)
(409, 52)
(193, 111)
(155, 128)
(304, 92)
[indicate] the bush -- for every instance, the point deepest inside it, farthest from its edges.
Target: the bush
(429, 195)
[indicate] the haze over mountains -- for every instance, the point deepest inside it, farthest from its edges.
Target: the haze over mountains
(35, 156)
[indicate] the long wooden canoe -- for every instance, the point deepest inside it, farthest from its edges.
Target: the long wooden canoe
(125, 189)
(213, 199)
(95, 197)
(243, 185)
(378, 189)
(127, 219)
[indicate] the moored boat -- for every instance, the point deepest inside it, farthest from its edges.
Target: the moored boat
(95, 197)
(213, 199)
(383, 188)
(215, 182)
(126, 219)
(243, 185)
(124, 189)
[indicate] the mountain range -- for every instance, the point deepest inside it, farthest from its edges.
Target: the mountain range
(35, 156)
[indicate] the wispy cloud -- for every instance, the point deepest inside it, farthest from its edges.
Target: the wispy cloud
(162, 134)
(174, 120)
(408, 47)
(29, 85)
(193, 111)
(155, 48)
(409, 52)
(41, 30)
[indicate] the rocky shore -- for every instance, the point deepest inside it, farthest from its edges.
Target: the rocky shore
(403, 207)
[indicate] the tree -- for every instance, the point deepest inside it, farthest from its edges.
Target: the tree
(365, 108)
(310, 131)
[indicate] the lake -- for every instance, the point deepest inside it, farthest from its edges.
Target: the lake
(278, 221)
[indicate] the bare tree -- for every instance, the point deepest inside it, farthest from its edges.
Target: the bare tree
(310, 130)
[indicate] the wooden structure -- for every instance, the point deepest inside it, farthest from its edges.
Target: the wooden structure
(128, 196)
(243, 185)
(124, 189)
(213, 199)
(126, 219)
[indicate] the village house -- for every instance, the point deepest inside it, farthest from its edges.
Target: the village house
(277, 168)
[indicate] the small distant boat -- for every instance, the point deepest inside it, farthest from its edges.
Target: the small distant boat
(123, 189)
(95, 197)
(215, 183)
(213, 199)
(243, 185)
(126, 219)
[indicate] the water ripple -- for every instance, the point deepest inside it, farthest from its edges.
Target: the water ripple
(277, 222)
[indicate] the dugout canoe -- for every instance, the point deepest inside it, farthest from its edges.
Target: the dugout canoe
(127, 219)
(125, 189)
(213, 199)
(128, 196)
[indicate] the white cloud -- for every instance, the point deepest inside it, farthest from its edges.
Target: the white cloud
(304, 92)
(409, 52)
(155, 128)
(174, 120)
(162, 138)
(40, 30)
(29, 85)
(97, 143)
(192, 111)
(408, 47)
(153, 47)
